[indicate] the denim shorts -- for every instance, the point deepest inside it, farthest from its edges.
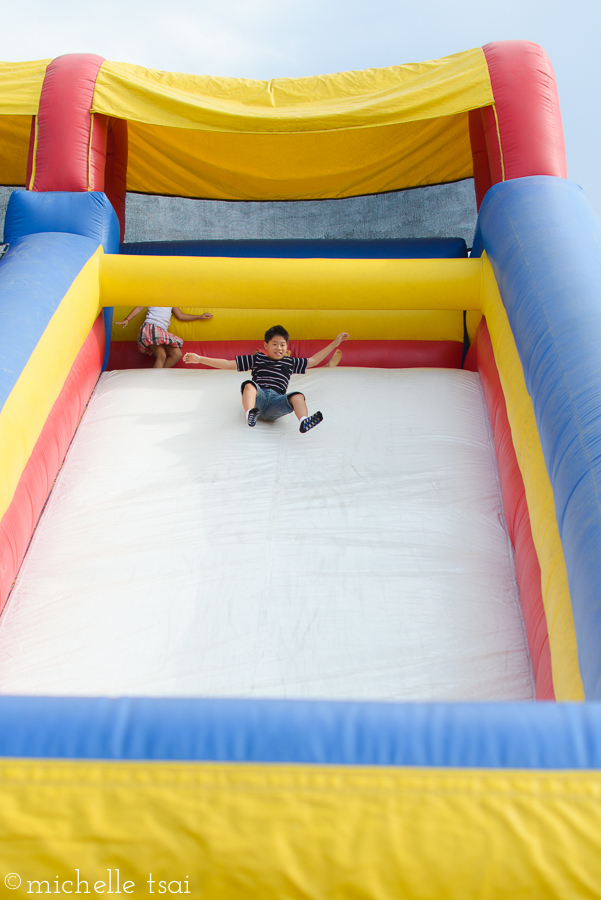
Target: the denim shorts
(270, 404)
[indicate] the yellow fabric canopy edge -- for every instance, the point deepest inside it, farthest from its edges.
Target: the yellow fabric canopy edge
(346, 100)
(21, 86)
(302, 166)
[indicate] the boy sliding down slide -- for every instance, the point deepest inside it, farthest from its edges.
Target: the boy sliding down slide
(265, 396)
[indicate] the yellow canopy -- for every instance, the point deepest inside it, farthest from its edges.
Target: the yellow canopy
(20, 89)
(346, 100)
(306, 138)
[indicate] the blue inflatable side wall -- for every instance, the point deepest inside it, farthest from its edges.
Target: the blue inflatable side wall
(88, 214)
(35, 227)
(35, 275)
(544, 243)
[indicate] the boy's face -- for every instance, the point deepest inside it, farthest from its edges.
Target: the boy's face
(277, 347)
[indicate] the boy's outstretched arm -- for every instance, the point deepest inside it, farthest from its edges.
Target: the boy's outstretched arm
(188, 317)
(132, 315)
(210, 361)
(321, 354)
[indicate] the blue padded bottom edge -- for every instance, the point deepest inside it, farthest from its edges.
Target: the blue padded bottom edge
(491, 735)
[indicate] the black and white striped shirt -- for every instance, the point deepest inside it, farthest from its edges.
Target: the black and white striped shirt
(272, 374)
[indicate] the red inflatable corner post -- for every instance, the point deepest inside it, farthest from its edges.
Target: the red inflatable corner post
(522, 134)
(71, 148)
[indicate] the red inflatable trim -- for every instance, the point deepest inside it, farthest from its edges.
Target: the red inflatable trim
(369, 354)
(481, 358)
(74, 150)
(482, 176)
(527, 128)
(115, 173)
(20, 519)
(64, 123)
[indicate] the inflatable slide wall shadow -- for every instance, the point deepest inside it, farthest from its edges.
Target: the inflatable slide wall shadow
(223, 798)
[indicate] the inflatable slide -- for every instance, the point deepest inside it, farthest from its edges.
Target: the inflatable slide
(359, 662)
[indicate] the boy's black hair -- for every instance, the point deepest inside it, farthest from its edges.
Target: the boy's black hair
(276, 329)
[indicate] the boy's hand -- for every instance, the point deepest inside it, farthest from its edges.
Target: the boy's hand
(341, 337)
(206, 316)
(191, 358)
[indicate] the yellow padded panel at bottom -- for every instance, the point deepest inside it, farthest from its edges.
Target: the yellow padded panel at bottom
(223, 831)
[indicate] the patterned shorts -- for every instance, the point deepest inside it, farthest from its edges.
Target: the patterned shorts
(151, 335)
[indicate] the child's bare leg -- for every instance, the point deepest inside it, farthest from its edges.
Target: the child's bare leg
(160, 356)
(302, 413)
(249, 397)
(336, 357)
(299, 405)
(174, 354)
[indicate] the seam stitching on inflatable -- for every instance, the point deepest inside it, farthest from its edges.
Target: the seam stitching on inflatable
(494, 109)
(90, 151)
(34, 154)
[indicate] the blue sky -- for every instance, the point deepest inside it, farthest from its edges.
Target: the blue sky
(276, 38)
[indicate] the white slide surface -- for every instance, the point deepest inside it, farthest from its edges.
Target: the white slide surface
(183, 553)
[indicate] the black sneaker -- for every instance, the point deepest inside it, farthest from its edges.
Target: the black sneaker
(253, 415)
(310, 422)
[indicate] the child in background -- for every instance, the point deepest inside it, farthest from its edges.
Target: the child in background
(155, 339)
(265, 396)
